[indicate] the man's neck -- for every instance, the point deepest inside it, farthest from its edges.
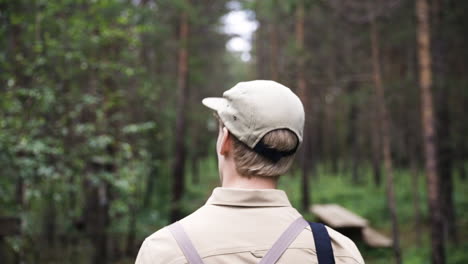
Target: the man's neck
(231, 179)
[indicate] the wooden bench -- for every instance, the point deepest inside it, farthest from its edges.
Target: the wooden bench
(349, 224)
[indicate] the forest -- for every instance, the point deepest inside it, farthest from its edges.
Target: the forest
(104, 140)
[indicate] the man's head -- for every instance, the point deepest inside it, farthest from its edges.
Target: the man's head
(261, 126)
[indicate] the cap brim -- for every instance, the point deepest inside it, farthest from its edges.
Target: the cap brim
(215, 103)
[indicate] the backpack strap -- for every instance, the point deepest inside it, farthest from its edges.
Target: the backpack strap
(185, 244)
(323, 245)
(283, 242)
(322, 241)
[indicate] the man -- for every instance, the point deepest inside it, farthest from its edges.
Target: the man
(260, 129)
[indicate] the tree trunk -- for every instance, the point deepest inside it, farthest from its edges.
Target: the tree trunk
(376, 144)
(261, 55)
(303, 94)
(444, 135)
(445, 154)
(50, 217)
(196, 154)
(329, 127)
(416, 201)
(274, 72)
(178, 168)
(98, 202)
(131, 233)
(375, 153)
(149, 187)
(101, 256)
(429, 136)
(195, 169)
(97, 218)
(20, 191)
(352, 137)
(461, 163)
(384, 120)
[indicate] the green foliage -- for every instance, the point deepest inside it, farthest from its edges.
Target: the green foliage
(87, 103)
(87, 115)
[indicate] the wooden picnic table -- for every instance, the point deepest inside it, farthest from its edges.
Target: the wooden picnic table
(350, 224)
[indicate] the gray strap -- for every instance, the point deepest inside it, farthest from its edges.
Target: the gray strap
(185, 244)
(284, 241)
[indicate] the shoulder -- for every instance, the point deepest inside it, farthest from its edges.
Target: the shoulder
(344, 248)
(160, 247)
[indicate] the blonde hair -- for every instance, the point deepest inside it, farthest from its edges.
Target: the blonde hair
(249, 163)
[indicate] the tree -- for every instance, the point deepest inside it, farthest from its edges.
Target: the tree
(304, 95)
(368, 12)
(384, 129)
(444, 119)
(178, 168)
(429, 133)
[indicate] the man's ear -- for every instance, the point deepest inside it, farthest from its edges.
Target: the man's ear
(226, 142)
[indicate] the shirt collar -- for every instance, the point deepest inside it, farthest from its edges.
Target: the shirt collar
(249, 197)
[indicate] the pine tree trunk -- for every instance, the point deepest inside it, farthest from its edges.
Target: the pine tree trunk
(303, 94)
(50, 217)
(261, 56)
(352, 137)
(384, 120)
(178, 168)
(195, 169)
(131, 233)
(445, 154)
(149, 186)
(429, 136)
(461, 163)
(444, 123)
(416, 202)
(329, 127)
(97, 218)
(274, 72)
(375, 144)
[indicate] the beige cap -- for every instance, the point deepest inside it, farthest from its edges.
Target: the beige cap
(252, 109)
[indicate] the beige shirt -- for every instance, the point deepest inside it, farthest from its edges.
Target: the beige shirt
(240, 226)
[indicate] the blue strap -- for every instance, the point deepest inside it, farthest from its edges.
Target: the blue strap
(323, 245)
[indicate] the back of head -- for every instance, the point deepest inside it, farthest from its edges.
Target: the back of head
(250, 163)
(266, 120)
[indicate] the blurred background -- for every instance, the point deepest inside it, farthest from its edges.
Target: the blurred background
(103, 139)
